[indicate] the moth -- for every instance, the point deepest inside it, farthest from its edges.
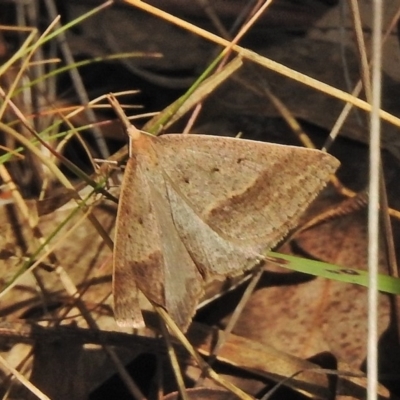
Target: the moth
(194, 208)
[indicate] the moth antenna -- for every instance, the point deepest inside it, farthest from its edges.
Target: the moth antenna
(119, 111)
(132, 132)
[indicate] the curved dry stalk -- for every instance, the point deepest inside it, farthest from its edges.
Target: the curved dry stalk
(23, 380)
(206, 369)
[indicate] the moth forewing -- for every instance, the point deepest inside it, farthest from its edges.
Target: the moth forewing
(195, 207)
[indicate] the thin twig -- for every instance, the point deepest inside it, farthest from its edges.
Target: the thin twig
(373, 206)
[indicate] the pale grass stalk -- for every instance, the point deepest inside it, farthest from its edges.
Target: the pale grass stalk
(4, 68)
(373, 206)
(48, 251)
(78, 109)
(206, 369)
(26, 63)
(174, 362)
(358, 29)
(65, 279)
(226, 51)
(384, 207)
(204, 89)
(78, 83)
(23, 380)
(356, 92)
(72, 290)
(266, 62)
(234, 318)
(49, 164)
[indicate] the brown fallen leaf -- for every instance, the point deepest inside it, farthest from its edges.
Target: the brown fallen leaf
(319, 315)
(267, 361)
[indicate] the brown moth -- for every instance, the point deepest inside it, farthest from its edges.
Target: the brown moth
(194, 208)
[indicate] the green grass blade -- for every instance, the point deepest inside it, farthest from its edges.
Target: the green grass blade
(386, 283)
